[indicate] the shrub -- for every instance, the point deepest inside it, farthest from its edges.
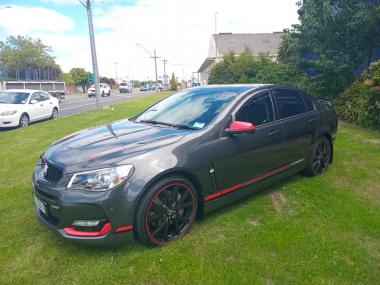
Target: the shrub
(360, 102)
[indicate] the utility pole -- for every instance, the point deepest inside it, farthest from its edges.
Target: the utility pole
(115, 63)
(87, 4)
(165, 61)
(155, 65)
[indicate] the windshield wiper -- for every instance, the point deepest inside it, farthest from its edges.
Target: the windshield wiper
(180, 126)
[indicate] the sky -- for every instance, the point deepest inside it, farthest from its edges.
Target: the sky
(128, 31)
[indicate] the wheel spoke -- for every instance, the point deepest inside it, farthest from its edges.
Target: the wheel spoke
(181, 201)
(186, 205)
(154, 218)
(160, 227)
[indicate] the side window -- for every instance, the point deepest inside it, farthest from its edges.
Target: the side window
(289, 103)
(44, 96)
(35, 96)
(309, 102)
(258, 110)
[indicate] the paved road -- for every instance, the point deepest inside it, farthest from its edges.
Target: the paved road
(75, 104)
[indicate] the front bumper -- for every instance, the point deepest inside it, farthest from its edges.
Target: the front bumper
(9, 121)
(62, 207)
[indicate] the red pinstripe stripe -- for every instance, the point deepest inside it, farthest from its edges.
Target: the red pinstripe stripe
(240, 185)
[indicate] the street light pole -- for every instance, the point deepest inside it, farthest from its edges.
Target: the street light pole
(116, 63)
(87, 4)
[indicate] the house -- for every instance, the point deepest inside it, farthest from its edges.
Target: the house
(223, 43)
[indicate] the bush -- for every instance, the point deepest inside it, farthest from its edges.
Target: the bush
(247, 68)
(360, 102)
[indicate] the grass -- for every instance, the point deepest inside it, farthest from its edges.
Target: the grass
(304, 230)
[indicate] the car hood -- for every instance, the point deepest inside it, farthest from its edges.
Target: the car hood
(91, 89)
(11, 107)
(109, 144)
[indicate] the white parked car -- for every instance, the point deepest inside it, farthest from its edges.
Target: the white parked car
(104, 90)
(125, 88)
(19, 107)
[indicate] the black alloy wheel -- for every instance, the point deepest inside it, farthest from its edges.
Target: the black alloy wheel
(166, 212)
(320, 157)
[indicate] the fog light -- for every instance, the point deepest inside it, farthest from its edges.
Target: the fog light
(85, 223)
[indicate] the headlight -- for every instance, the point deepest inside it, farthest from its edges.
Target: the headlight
(8, 113)
(101, 179)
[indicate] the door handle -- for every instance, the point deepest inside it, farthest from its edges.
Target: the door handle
(41, 105)
(273, 133)
(311, 121)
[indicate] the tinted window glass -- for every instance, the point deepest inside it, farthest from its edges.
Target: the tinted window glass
(44, 96)
(35, 96)
(257, 111)
(289, 102)
(191, 108)
(309, 102)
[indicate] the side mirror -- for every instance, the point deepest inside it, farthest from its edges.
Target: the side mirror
(238, 127)
(33, 102)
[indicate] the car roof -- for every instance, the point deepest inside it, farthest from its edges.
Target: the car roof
(235, 88)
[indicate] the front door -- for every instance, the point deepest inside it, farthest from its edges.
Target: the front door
(245, 157)
(36, 111)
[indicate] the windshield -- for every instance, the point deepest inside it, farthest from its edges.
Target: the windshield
(13, 97)
(193, 109)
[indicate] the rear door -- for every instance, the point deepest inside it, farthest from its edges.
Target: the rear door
(246, 156)
(299, 123)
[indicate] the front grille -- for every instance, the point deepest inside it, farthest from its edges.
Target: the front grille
(51, 172)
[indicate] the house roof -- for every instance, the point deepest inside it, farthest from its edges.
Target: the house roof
(206, 62)
(257, 43)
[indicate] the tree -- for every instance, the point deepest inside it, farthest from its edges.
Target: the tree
(68, 79)
(79, 76)
(24, 58)
(333, 42)
(247, 68)
(104, 80)
(173, 83)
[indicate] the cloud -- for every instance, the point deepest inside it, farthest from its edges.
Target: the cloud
(22, 20)
(179, 30)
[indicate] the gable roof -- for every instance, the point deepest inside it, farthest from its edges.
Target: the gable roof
(257, 43)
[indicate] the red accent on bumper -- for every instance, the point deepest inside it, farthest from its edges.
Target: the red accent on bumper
(256, 179)
(73, 232)
(124, 229)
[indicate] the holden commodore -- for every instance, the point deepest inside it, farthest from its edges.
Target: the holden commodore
(195, 151)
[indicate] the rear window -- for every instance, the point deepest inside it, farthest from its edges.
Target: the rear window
(289, 103)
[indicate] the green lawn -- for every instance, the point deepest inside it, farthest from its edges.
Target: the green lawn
(304, 230)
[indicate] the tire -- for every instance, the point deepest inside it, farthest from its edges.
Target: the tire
(102, 93)
(24, 121)
(54, 114)
(109, 93)
(159, 217)
(320, 157)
